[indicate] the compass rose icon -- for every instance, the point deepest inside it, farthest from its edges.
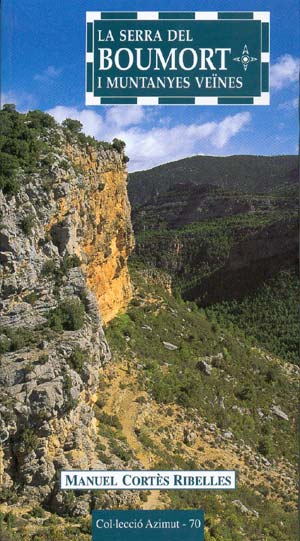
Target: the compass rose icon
(245, 59)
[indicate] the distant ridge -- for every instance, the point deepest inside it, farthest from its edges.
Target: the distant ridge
(244, 173)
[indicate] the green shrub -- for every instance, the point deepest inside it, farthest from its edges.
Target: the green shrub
(31, 298)
(77, 359)
(39, 120)
(101, 401)
(27, 223)
(29, 440)
(8, 167)
(103, 457)
(49, 268)
(100, 446)
(110, 420)
(273, 374)
(145, 440)
(47, 184)
(52, 520)
(105, 145)
(246, 393)
(266, 447)
(65, 165)
(119, 451)
(10, 186)
(8, 496)
(4, 344)
(9, 108)
(22, 143)
(141, 399)
(70, 403)
(16, 338)
(47, 161)
(118, 145)
(70, 262)
(73, 126)
(68, 316)
(144, 496)
(37, 512)
(19, 338)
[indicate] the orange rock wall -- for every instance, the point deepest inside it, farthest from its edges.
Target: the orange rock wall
(97, 211)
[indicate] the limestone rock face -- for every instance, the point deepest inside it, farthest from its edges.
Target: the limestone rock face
(64, 242)
(99, 228)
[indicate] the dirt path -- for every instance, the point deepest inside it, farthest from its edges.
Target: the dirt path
(123, 403)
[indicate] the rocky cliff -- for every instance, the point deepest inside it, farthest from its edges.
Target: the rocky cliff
(64, 242)
(92, 220)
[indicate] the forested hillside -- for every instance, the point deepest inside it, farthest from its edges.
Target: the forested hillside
(269, 317)
(217, 244)
(244, 173)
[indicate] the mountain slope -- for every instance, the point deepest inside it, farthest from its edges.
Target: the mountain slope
(217, 244)
(244, 173)
(204, 397)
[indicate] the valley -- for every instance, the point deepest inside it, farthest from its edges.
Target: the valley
(171, 348)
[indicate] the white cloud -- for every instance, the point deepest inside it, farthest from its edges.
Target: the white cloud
(158, 145)
(229, 127)
(22, 100)
(284, 72)
(48, 74)
(125, 116)
(148, 147)
(92, 122)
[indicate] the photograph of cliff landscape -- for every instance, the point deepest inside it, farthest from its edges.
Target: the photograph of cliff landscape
(149, 289)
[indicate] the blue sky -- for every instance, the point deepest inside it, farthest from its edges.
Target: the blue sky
(43, 59)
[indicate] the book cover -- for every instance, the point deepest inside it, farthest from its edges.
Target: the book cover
(149, 270)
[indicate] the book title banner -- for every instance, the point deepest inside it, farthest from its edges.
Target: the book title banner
(191, 58)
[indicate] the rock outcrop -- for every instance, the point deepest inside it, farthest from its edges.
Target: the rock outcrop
(64, 242)
(93, 221)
